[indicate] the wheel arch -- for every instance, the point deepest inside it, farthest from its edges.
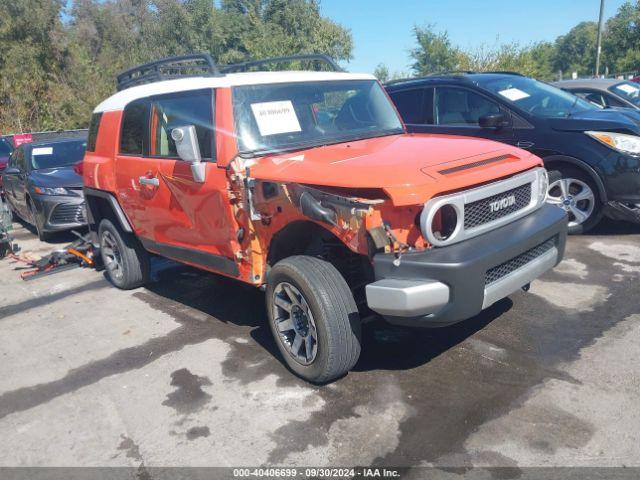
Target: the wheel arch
(559, 160)
(305, 237)
(101, 204)
(295, 238)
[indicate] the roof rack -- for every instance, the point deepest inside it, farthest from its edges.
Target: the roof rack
(201, 64)
(311, 57)
(196, 64)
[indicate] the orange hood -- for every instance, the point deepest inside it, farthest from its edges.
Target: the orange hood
(410, 168)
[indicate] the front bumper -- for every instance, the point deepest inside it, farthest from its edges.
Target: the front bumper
(442, 286)
(60, 212)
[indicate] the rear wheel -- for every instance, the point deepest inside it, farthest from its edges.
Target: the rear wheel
(313, 318)
(124, 259)
(574, 191)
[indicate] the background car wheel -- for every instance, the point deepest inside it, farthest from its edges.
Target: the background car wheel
(575, 192)
(313, 318)
(124, 259)
(37, 222)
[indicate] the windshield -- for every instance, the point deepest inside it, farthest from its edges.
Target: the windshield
(533, 96)
(628, 91)
(5, 148)
(57, 154)
(291, 116)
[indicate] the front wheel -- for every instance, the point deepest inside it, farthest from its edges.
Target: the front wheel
(575, 192)
(313, 318)
(37, 222)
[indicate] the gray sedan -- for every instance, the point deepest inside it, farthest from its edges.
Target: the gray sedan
(605, 92)
(42, 185)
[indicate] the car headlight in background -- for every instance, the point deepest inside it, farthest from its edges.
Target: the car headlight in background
(618, 141)
(51, 191)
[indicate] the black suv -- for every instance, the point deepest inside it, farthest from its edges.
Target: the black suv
(593, 155)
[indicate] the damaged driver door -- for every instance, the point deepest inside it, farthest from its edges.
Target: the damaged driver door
(198, 226)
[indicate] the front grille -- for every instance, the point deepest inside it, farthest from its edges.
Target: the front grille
(68, 213)
(480, 212)
(496, 273)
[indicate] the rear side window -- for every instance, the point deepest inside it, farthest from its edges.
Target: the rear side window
(180, 110)
(135, 119)
(410, 104)
(92, 138)
(415, 106)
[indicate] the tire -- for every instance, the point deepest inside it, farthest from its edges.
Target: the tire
(566, 184)
(324, 294)
(43, 235)
(126, 261)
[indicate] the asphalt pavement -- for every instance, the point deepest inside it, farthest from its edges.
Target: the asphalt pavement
(184, 372)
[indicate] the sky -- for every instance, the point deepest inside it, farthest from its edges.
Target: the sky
(382, 29)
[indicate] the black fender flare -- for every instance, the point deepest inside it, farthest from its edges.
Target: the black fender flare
(551, 160)
(113, 203)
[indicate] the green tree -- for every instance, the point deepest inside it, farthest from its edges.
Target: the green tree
(434, 52)
(621, 42)
(576, 51)
(53, 73)
(381, 72)
(35, 55)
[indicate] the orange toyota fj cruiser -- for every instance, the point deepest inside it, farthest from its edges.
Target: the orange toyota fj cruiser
(306, 183)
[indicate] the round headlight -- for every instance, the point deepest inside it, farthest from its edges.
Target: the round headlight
(444, 222)
(544, 186)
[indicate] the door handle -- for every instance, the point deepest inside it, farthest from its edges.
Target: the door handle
(524, 144)
(149, 181)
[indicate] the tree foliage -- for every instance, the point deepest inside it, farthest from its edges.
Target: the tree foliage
(573, 52)
(57, 64)
(434, 52)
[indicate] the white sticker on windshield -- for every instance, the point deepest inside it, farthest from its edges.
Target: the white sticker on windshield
(275, 117)
(42, 151)
(514, 94)
(628, 88)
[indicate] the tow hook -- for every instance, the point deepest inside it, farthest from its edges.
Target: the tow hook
(525, 288)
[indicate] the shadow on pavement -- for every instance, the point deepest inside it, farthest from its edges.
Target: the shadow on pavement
(614, 227)
(384, 346)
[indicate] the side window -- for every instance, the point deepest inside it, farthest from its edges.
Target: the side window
(415, 105)
(410, 104)
(612, 101)
(590, 96)
(179, 110)
(93, 131)
(135, 120)
(458, 106)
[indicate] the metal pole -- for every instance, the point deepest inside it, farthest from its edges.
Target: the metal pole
(599, 42)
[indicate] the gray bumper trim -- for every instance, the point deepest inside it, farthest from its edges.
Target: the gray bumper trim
(407, 298)
(519, 278)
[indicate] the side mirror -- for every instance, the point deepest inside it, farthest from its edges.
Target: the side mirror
(11, 171)
(186, 140)
(494, 120)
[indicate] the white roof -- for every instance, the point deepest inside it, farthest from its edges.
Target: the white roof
(119, 100)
